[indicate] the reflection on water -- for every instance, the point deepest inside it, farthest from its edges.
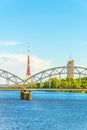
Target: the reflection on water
(47, 111)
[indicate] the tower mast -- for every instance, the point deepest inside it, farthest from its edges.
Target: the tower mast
(28, 73)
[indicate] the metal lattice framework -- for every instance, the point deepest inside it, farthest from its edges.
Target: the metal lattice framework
(38, 77)
(10, 77)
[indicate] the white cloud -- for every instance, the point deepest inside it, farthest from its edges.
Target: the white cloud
(8, 43)
(17, 63)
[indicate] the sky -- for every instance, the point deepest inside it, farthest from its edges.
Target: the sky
(55, 30)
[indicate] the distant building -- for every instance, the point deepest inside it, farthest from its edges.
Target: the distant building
(70, 69)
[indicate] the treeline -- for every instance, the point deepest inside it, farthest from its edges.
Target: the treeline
(77, 83)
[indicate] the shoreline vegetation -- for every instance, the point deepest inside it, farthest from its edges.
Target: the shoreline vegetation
(67, 83)
(71, 91)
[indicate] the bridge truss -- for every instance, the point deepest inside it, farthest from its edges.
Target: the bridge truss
(10, 78)
(60, 72)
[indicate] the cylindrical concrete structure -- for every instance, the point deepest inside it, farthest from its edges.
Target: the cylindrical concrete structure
(23, 95)
(29, 96)
(26, 95)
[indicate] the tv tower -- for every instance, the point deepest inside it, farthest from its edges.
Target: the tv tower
(28, 73)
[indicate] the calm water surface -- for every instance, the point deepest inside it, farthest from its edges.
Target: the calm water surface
(47, 111)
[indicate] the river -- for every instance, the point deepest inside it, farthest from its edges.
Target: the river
(47, 111)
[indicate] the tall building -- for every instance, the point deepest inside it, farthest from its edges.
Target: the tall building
(70, 69)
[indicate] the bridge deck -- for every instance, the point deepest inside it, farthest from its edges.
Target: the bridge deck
(39, 89)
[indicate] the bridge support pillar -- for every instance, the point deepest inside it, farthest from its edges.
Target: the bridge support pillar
(26, 95)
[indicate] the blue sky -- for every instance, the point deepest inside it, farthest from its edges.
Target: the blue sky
(55, 30)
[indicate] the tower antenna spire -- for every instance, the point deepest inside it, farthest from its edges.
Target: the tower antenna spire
(70, 57)
(28, 48)
(28, 74)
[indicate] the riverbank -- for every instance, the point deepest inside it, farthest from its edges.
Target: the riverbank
(71, 91)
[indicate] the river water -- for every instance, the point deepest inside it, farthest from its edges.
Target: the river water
(47, 111)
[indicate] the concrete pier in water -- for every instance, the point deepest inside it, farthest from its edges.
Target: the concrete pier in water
(25, 95)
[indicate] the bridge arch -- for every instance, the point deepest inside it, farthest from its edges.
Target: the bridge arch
(10, 77)
(48, 73)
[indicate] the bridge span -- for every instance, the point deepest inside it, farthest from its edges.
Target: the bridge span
(15, 83)
(60, 72)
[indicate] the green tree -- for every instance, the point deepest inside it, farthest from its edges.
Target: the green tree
(34, 85)
(54, 83)
(46, 84)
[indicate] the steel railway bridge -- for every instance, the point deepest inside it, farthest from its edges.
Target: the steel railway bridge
(14, 82)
